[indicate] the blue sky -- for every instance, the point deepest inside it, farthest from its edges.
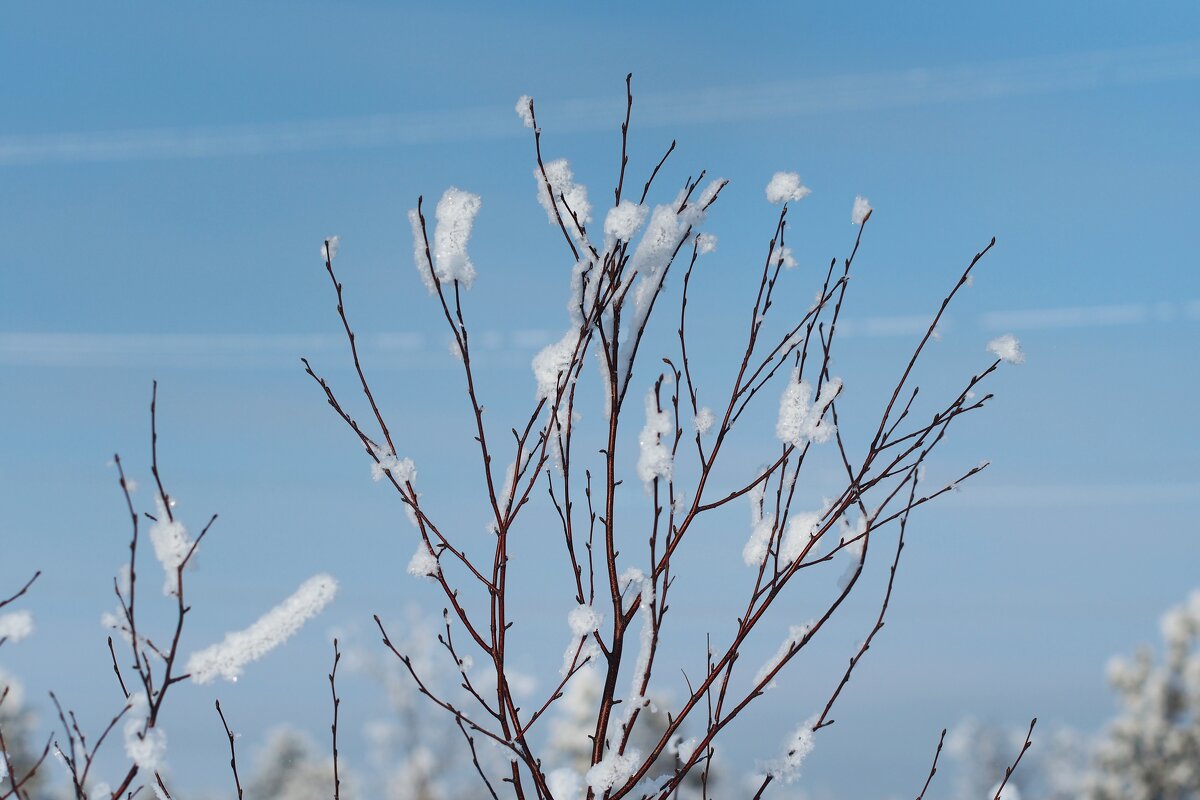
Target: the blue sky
(168, 174)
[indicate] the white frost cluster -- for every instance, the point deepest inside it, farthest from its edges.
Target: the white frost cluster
(634, 578)
(861, 210)
(852, 535)
(704, 420)
(684, 748)
(524, 102)
(799, 745)
(800, 531)
(612, 770)
(329, 248)
(796, 634)
(785, 186)
(706, 243)
(228, 659)
(455, 217)
(1006, 348)
(420, 254)
(562, 182)
(800, 420)
(402, 469)
(623, 221)
(16, 625)
(423, 562)
(655, 459)
(147, 748)
(171, 545)
(552, 362)
(583, 620)
(665, 233)
(762, 527)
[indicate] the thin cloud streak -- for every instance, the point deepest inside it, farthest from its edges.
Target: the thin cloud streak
(775, 100)
(1074, 495)
(508, 349)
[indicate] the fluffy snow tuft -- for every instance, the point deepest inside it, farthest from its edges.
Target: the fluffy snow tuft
(171, 545)
(655, 459)
(562, 182)
(623, 221)
(799, 745)
(228, 659)
(423, 562)
(800, 420)
(552, 363)
(1006, 348)
(785, 186)
(704, 420)
(524, 111)
(147, 748)
(861, 210)
(583, 620)
(796, 634)
(612, 770)
(455, 217)
(402, 469)
(329, 248)
(420, 254)
(759, 544)
(801, 529)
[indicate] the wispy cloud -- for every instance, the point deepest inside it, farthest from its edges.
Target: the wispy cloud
(497, 348)
(1090, 316)
(394, 350)
(1075, 495)
(775, 100)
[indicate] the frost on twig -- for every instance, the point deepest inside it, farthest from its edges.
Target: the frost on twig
(228, 658)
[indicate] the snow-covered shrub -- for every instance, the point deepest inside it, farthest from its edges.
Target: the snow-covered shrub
(619, 548)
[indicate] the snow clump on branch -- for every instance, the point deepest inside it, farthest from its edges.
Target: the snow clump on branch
(402, 470)
(624, 221)
(145, 747)
(612, 770)
(171, 545)
(424, 563)
(455, 217)
(799, 745)
(228, 659)
(329, 248)
(655, 460)
(785, 186)
(668, 230)
(861, 210)
(800, 420)
(562, 182)
(1006, 348)
(525, 110)
(801, 530)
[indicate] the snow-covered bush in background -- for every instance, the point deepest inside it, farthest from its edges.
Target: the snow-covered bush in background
(1151, 751)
